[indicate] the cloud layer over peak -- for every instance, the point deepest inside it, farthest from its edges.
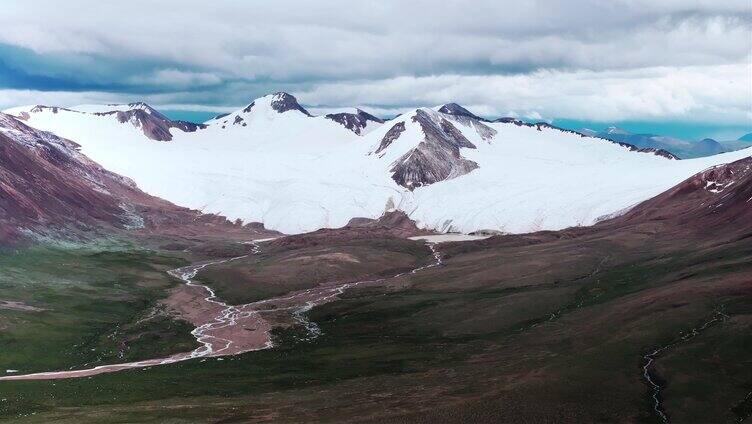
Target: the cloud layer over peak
(599, 60)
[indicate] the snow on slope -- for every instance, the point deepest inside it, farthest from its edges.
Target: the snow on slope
(273, 162)
(532, 180)
(137, 115)
(286, 169)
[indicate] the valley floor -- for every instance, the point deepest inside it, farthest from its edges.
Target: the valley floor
(612, 324)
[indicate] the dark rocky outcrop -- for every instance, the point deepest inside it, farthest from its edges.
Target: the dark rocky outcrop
(457, 110)
(283, 102)
(354, 122)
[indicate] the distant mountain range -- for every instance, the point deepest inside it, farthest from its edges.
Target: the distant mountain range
(684, 149)
(274, 162)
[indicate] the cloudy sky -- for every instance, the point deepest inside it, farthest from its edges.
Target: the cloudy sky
(605, 61)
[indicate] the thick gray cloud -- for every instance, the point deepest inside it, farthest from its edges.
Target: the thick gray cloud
(499, 56)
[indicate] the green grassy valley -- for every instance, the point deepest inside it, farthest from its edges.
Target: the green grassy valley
(564, 322)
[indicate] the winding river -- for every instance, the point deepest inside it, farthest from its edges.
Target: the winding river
(224, 330)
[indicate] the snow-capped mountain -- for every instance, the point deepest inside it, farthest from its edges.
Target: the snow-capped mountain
(458, 111)
(268, 107)
(49, 188)
(449, 170)
(139, 115)
(435, 157)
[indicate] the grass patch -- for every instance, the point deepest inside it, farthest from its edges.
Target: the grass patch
(86, 303)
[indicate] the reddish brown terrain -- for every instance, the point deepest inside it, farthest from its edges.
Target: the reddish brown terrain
(49, 189)
(391, 224)
(717, 201)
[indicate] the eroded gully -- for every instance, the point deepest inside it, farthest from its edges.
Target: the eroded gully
(649, 374)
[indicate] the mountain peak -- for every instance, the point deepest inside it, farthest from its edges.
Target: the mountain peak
(153, 123)
(280, 101)
(355, 122)
(434, 157)
(283, 102)
(146, 108)
(140, 105)
(457, 110)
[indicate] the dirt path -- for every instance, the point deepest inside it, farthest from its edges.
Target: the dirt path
(224, 329)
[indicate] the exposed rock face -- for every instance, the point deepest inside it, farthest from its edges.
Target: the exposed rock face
(48, 188)
(354, 122)
(154, 125)
(436, 158)
(283, 102)
(390, 136)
